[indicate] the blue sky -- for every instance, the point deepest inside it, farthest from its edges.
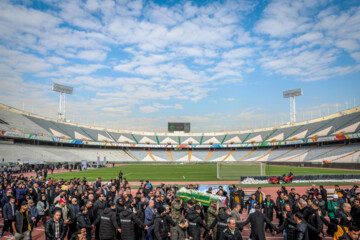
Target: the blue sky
(221, 65)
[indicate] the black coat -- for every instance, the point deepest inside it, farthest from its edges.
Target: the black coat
(314, 226)
(301, 232)
(269, 211)
(221, 222)
(159, 228)
(99, 207)
(344, 221)
(227, 235)
(257, 195)
(355, 213)
(195, 224)
(83, 221)
(241, 195)
(127, 224)
(168, 221)
(323, 193)
(289, 225)
(72, 214)
(280, 205)
(108, 224)
(257, 220)
(50, 229)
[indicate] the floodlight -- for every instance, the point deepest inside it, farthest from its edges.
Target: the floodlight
(62, 89)
(292, 94)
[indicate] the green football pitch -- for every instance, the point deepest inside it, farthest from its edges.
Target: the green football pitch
(190, 172)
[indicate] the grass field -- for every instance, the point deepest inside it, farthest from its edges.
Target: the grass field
(187, 172)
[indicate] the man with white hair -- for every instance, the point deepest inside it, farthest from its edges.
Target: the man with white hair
(333, 206)
(344, 215)
(231, 231)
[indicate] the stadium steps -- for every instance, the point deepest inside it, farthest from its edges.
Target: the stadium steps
(135, 139)
(222, 142)
(62, 130)
(170, 156)
(283, 154)
(246, 138)
(209, 155)
(345, 156)
(247, 155)
(152, 157)
(231, 152)
(293, 133)
(342, 126)
(311, 149)
(321, 127)
(190, 153)
(131, 155)
(327, 152)
(111, 136)
(272, 150)
(269, 135)
(88, 134)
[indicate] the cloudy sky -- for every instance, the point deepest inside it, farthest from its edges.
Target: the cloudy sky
(220, 65)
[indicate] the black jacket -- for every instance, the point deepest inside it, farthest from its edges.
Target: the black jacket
(195, 224)
(314, 225)
(301, 232)
(99, 207)
(19, 220)
(72, 214)
(108, 224)
(257, 195)
(127, 224)
(344, 221)
(280, 205)
(168, 221)
(355, 213)
(221, 222)
(257, 220)
(83, 221)
(50, 229)
(227, 235)
(241, 195)
(159, 228)
(269, 211)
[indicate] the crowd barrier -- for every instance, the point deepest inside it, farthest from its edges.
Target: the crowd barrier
(309, 177)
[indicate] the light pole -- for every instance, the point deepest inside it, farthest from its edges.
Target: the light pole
(62, 89)
(292, 94)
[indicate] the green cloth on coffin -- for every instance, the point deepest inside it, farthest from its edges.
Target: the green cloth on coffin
(204, 198)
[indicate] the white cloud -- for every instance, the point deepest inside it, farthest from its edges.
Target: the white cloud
(148, 109)
(92, 55)
(230, 99)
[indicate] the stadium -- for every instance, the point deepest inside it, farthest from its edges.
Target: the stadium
(170, 120)
(332, 141)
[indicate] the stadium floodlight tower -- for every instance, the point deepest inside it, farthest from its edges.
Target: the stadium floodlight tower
(62, 89)
(292, 94)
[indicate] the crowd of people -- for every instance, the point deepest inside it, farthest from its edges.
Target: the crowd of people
(79, 209)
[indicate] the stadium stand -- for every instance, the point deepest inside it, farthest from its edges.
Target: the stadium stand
(305, 141)
(180, 155)
(20, 123)
(160, 155)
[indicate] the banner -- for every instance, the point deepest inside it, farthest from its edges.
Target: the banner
(104, 161)
(98, 162)
(215, 188)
